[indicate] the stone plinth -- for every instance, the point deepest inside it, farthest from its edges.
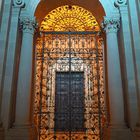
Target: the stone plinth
(22, 133)
(117, 134)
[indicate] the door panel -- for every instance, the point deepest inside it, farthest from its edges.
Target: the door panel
(69, 101)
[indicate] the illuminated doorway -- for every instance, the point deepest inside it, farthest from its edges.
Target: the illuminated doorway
(69, 87)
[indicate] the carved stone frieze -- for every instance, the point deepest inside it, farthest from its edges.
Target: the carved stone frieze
(28, 24)
(111, 24)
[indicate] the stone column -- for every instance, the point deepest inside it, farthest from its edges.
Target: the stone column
(128, 64)
(8, 49)
(135, 33)
(4, 33)
(1, 11)
(23, 100)
(115, 91)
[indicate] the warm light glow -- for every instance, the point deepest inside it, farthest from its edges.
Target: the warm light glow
(69, 18)
(65, 52)
(56, 59)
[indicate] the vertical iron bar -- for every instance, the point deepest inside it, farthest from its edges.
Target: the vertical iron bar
(40, 109)
(55, 113)
(98, 84)
(69, 84)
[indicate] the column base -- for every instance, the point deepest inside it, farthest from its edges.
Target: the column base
(22, 133)
(1, 133)
(137, 132)
(117, 134)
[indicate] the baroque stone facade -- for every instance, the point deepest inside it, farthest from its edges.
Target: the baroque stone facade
(20, 21)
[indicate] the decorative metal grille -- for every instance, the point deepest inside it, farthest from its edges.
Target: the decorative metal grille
(69, 18)
(69, 52)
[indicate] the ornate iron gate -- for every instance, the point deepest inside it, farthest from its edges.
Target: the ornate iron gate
(69, 88)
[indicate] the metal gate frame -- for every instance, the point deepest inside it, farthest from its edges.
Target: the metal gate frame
(98, 57)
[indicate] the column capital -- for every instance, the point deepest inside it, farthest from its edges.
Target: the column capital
(122, 6)
(19, 3)
(119, 3)
(111, 24)
(28, 24)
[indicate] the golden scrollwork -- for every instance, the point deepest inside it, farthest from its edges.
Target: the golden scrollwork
(69, 18)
